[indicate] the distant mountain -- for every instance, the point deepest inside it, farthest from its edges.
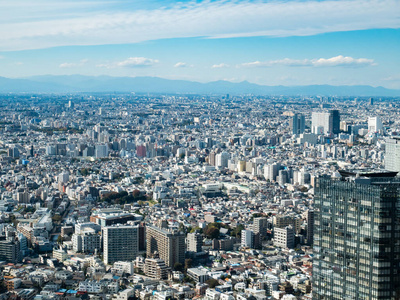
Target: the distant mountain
(99, 84)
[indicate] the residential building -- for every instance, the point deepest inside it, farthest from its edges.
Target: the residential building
(120, 243)
(168, 243)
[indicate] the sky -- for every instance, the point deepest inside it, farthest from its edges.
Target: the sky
(279, 42)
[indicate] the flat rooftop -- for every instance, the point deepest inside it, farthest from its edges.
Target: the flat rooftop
(367, 173)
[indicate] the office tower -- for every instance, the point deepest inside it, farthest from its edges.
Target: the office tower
(247, 238)
(374, 124)
(357, 237)
(320, 122)
(101, 151)
(335, 119)
(392, 154)
(169, 244)
(326, 122)
(371, 101)
(271, 171)
(298, 124)
(310, 227)
(120, 243)
(284, 237)
(221, 159)
(194, 242)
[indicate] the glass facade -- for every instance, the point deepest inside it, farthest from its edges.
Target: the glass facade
(357, 239)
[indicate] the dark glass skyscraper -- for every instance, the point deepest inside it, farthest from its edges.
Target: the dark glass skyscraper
(335, 119)
(357, 237)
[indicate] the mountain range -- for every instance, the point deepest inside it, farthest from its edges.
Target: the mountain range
(108, 84)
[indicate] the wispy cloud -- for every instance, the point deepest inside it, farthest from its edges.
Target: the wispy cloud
(218, 66)
(131, 62)
(182, 65)
(340, 60)
(74, 65)
(89, 23)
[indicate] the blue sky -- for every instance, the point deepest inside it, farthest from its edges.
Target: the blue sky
(265, 42)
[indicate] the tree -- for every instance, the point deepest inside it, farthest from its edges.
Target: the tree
(237, 231)
(211, 232)
(188, 263)
(212, 283)
(178, 267)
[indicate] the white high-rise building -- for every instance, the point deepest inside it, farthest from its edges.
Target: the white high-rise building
(120, 243)
(321, 122)
(271, 171)
(284, 237)
(221, 159)
(374, 124)
(247, 238)
(63, 177)
(392, 155)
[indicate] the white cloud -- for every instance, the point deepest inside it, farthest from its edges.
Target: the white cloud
(342, 61)
(88, 23)
(339, 60)
(218, 66)
(181, 65)
(131, 62)
(74, 65)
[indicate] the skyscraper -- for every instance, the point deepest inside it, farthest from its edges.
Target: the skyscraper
(326, 122)
(357, 237)
(169, 244)
(298, 124)
(374, 124)
(335, 119)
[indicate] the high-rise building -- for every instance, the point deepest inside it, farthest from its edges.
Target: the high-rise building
(260, 225)
(194, 242)
(101, 151)
(247, 238)
(87, 240)
(310, 226)
(335, 119)
(10, 250)
(357, 237)
(374, 124)
(392, 154)
(120, 243)
(284, 237)
(169, 244)
(298, 124)
(326, 122)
